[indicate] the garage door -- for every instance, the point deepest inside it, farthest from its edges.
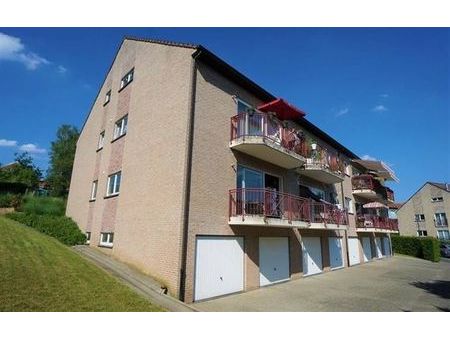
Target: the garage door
(335, 245)
(367, 249)
(273, 260)
(353, 251)
(386, 246)
(312, 255)
(378, 247)
(219, 268)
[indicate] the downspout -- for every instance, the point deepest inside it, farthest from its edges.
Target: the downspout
(187, 177)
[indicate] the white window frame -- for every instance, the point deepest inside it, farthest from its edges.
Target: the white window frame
(437, 199)
(101, 140)
(116, 189)
(442, 217)
(419, 219)
(120, 127)
(107, 97)
(88, 237)
(94, 190)
(420, 233)
(127, 79)
(445, 237)
(109, 239)
(348, 169)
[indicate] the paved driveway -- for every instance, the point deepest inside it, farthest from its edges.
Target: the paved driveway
(396, 284)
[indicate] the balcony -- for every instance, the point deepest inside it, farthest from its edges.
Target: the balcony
(263, 136)
(372, 223)
(368, 187)
(323, 166)
(390, 194)
(265, 207)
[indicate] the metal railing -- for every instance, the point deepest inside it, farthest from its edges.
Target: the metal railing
(378, 222)
(368, 182)
(273, 204)
(246, 125)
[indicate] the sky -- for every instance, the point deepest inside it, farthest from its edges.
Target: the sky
(383, 93)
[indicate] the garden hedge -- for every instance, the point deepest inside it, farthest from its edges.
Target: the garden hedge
(426, 247)
(62, 228)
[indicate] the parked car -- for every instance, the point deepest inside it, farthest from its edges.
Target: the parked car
(445, 250)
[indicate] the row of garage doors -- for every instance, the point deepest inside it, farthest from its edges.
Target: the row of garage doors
(219, 267)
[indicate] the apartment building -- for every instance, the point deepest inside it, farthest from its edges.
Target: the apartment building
(196, 175)
(425, 212)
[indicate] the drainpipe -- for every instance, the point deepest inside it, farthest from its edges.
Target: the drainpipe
(187, 177)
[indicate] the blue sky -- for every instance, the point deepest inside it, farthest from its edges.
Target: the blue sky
(383, 93)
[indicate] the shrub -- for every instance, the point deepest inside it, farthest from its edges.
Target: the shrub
(62, 228)
(427, 248)
(10, 201)
(41, 205)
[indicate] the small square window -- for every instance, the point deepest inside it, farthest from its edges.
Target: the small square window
(127, 79)
(437, 199)
(422, 233)
(94, 190)
(101, 140)
(420, 217)
(349, 205)
(88, 237)
(106, 239)
(114, 184)
(120, 128)
(107, 97)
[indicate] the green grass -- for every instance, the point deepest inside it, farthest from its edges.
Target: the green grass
(37, 273)
(41, 205)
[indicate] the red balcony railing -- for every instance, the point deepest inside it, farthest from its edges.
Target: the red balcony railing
(274, 204)
(257, 124)
(390, 194)
(378, 222)
(368, 182)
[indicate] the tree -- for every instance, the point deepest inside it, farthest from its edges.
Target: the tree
(23, 170)
(62, 154)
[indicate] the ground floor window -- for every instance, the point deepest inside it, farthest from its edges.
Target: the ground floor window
(88, 237)
(422, 233)
(443, 234)
(106, 239)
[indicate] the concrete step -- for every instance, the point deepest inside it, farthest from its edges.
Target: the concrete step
(138, 281)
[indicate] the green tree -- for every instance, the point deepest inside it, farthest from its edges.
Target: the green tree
(22, 171)
(62, 154)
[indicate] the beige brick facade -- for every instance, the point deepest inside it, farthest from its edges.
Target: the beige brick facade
(147, 217)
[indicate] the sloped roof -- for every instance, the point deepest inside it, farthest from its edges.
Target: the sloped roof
(443, 186)
(378, 168)
(439, 185)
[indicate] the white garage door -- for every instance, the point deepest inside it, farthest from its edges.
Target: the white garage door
(335, 245)
(312, 255)
(367, 249)
(219, 268)
(353, 251)
(386, 246)
(273, 260)
(378, 247)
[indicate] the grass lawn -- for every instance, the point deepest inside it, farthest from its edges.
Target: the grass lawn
(37, 273)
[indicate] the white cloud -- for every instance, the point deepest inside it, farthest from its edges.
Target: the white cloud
(342, 111)
(7, 143)
(32, 148)
(379, 108)
(368, 158)
(384, 96)
(61, 69)
(12, 49)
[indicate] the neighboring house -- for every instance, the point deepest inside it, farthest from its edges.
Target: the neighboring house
(193, 173)
(425, 212)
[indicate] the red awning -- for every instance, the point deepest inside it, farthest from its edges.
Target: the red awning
(284, 110)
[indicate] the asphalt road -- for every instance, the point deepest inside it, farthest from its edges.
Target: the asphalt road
(398, 283)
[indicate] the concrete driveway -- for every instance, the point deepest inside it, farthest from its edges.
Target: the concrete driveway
(399, 283)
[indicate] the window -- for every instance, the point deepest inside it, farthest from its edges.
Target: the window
(107, 97)
(440, 219)
(127, 79)
(437, 199)
(349, 205)
(94, 190)
(422, 233)
(443, 234)
(420, 217)
(114, 184)
(88, 237)
(101, 140)
(120, 127)
(348, 169)
(106, 239)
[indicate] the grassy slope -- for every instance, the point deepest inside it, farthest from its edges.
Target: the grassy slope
(37, 273)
